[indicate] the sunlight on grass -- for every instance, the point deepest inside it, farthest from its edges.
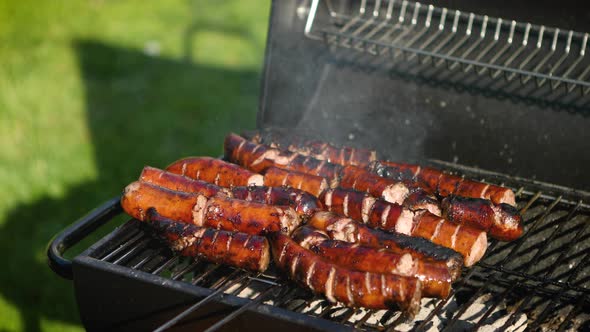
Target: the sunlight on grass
(83, 106)
(11, 320)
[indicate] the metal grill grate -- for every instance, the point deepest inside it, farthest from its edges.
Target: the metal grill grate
(541, 281)
(516, 58)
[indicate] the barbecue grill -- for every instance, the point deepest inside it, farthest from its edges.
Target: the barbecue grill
(441, 86)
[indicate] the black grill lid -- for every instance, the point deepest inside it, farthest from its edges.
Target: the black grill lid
(409, 109)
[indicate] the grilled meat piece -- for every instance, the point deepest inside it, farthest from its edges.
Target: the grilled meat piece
(215, 171)
(346, 229)
(339, 284)
(435, 277)
(245, 251)
(502, 222)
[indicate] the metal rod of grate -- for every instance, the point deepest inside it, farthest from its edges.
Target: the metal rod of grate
(408, 32)
(543, 266)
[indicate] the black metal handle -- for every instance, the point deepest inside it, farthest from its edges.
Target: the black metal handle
(76, 232)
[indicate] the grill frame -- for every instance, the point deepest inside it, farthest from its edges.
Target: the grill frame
(129, 298)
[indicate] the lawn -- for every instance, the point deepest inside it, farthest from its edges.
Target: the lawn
(90, 92)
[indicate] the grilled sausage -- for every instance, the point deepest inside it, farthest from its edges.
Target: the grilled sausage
(304, 203)
(276, 177)
(376, 213)
(419, 199)
(345, 229)
(469, 241)
(360, 179)
(215, 171)
(178, 182)
(320, 150)
(435, 277)
(342, 156)
(502, 222)
(443, 184)
(250, 155)
(338, 284)
(237, 215)
(138, 197)
(245, 251)
(259, 158)
(309, 165)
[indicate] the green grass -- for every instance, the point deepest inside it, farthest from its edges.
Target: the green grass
(83, 107)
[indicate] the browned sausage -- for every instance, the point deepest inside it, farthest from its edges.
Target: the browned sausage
(376, 213)
(391, 217)
(237, 215)
(346, 229)
(342, 156)
(240, 250)
(304, 203)
(320, 150)
(419, 199)
(338, 284)
(138, 197)
(500, 195)
(250, 155)
(441, 183)
(178, 182)
(360, 179)
(469, 241)
(502, 222)
(435, 277)
(215, 171)
(276, 177)
(309, 165)
(466, 240)
(348, 202)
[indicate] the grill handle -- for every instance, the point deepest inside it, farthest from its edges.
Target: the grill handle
(75, 233)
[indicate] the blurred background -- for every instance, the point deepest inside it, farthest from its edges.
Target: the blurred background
(90, 92)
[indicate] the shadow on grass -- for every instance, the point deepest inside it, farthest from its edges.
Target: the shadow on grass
(141, 110)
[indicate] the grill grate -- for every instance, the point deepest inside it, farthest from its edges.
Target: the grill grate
(541, 281)
(516, 58)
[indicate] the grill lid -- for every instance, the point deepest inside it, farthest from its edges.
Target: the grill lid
(418, 82)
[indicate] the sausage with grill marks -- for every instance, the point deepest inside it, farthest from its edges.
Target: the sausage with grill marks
(362, 180)
(237, 215)
(258, 158)
(419, 199)
(469, 241)
(502, 222)
(361, 206)
(178, 182)
(138, 197)
(245, 251)
(443, 184)
(346, 229)
(435, 277)
(339, 284)
(304, 203)
(309, 165)
(343, 156)
(250, 155)
(219, 212)
(321, 150)
(215, 171)
(276, 177)
(466, 240)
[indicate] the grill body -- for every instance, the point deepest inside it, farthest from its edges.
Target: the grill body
(129, 280)
(418, 98)
(327, 76)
